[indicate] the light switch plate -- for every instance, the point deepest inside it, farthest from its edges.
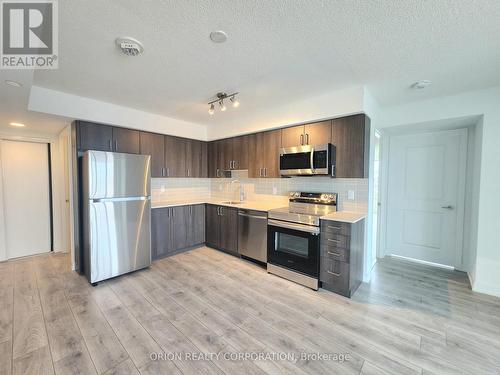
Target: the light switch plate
(162, 188)
(350, 195)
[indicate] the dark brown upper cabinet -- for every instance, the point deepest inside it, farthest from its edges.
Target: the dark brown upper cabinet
(100, 137)
(126, 140)
(232, 154)
(240, 152)
(263, 154)
(293, 136)
(153, 144)
(351, 138)
(196, 158)
(94, 136)
(317, 133)
(213, 154)
(175, 157)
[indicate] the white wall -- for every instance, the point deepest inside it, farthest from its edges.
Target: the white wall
(485, 103)
(78, 107)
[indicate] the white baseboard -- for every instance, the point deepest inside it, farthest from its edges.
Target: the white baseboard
(422, 262)
(485, 288)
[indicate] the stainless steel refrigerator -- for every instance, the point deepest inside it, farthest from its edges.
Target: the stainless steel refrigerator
(116, 192)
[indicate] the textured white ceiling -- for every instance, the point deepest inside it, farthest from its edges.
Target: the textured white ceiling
(277, 52)
(13, 108)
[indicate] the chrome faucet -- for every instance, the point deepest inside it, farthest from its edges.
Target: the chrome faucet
(240, 189)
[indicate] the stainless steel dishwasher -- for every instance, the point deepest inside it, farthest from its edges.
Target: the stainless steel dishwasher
(252, 234)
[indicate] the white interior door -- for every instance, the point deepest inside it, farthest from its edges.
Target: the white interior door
(26, 195)
(426, 188)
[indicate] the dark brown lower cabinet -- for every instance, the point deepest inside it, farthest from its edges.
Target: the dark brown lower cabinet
(222, 228)
(175, 229)
(341, 261)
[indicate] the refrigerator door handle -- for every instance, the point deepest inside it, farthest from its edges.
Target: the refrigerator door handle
(125, 199)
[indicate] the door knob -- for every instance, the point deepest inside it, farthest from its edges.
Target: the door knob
(449, 207)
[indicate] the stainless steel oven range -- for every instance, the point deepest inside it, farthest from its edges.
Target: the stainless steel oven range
(293, 237)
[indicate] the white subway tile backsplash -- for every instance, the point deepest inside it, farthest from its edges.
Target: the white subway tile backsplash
(255, 189)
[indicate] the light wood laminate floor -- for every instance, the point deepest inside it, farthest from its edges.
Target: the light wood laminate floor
(412, 319)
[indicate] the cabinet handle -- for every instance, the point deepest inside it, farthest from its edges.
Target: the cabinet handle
(336, 254)
(188, 172)
(329, 226)
(217, 175)
(168, 172)
(333, 273)
(302, 139)
(110, 146)
(222, 211)
(234, 164)
(265, 172)
(333, 170)
(116, 145)
(307, 138)
(336, 241)
(163, 171)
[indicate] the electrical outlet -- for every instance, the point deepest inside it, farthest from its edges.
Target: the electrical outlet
(350, 195)
(163, 188)
(275, 190)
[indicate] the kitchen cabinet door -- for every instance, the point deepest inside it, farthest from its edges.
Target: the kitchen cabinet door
(175, 156)
(196, 226)
(229, 229)
(255, 155)
(271, 153)
(212, 225)
(180, 222)
(293, 136)
(161, 233)
(318, 133)
(126, 140)
(94, 136)
(194, 158)
(240, 152)
(213, 167)
(350, 135)
(225, 158)
(153, 144)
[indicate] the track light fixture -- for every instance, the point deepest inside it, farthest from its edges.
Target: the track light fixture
(221, 96)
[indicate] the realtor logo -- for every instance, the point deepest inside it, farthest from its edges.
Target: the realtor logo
(29, 34)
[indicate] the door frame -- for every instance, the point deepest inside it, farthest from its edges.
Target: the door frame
(385, 145)
(49, 142)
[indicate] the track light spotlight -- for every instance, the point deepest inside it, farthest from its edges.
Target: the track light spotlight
(220, 99)
(235, 101)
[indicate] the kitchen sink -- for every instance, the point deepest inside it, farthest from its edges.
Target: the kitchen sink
(232, 202)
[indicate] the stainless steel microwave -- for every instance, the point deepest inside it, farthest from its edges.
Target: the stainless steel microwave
(308, 160)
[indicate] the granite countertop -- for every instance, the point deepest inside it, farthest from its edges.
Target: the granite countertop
(343, 216)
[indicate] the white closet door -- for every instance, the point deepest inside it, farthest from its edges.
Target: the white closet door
(25, 169)
(426, 196)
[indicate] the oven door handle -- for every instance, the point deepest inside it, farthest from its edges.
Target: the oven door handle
(294, 226)
(312, 158)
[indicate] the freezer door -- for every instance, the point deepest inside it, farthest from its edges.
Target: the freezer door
(113, 175)
(119, 237)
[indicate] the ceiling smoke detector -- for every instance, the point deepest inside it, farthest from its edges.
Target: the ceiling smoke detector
(129, 46)
(421, 84)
